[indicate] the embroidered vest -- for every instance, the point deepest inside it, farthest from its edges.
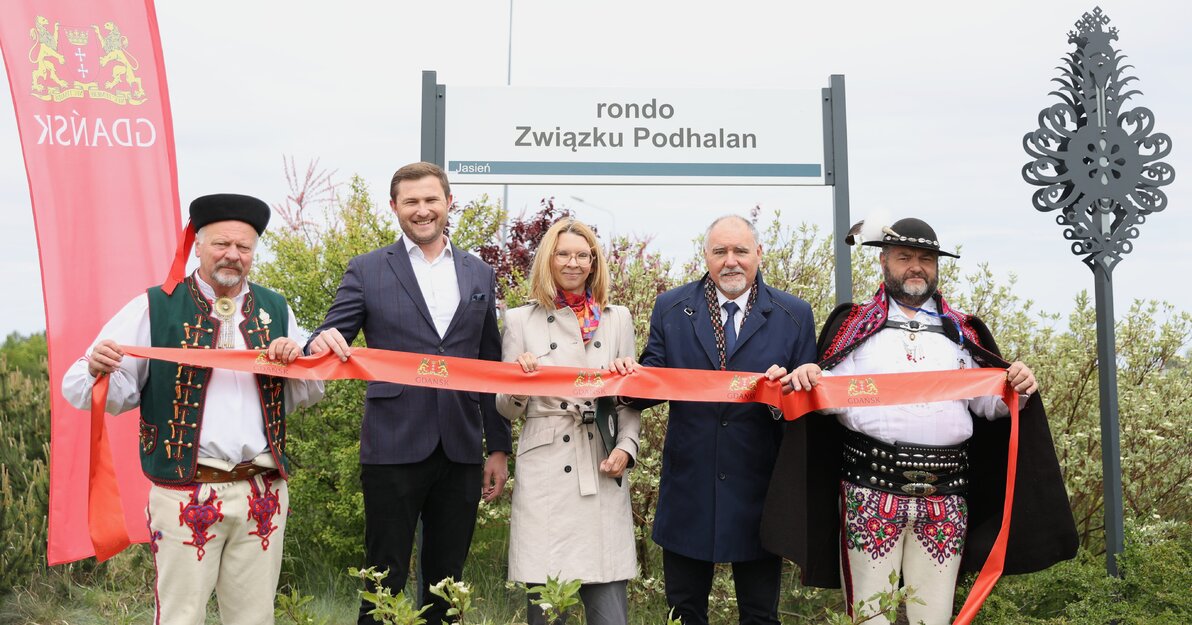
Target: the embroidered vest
(865, 320)
(173, 398)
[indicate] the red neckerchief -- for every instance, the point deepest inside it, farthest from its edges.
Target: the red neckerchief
(585, 310)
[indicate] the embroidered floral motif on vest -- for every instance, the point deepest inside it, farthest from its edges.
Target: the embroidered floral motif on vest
(173, 399)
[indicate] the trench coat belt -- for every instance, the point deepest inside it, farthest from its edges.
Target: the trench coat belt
(583, 459)
(584, 466)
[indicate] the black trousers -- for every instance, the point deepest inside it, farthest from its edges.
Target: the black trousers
(445, 495)
(688, 583)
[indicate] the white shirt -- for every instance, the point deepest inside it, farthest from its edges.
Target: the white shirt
(891, 351)
(742, 301)
(437, 281)
(233, 428)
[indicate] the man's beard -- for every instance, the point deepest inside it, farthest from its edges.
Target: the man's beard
(913, 296)
(225, 279)
(737, 276)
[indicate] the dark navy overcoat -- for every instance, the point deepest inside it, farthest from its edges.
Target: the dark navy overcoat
(718, 457)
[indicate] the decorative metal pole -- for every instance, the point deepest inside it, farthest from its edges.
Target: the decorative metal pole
(1099, 165)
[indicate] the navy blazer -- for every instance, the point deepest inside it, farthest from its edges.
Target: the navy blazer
(403, 424)
(718, 457)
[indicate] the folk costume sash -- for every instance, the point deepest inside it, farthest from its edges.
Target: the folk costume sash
(865, 320)
(464, 374)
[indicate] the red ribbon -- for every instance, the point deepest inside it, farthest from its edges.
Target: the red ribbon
(483, 376)
(186, 240)
(105, 517)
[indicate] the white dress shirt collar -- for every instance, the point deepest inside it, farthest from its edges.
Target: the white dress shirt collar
(742, 301)
(412, 248)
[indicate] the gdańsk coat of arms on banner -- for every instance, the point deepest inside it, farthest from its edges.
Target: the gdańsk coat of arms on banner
(92, 61)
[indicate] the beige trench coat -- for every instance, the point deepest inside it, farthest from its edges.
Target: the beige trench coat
(569, 520)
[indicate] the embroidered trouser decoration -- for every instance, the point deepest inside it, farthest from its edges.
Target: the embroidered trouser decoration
(199, 517)
(919, 538)
(154, 535)
(261, 508)
(235, 566)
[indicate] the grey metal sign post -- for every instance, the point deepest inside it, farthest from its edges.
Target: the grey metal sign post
(835, 160)
(1098, 163)
(836, 174)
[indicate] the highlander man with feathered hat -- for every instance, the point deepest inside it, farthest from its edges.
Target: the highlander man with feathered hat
(859, 493)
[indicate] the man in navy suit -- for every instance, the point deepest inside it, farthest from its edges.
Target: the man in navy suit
(421, 453)
(717, 459)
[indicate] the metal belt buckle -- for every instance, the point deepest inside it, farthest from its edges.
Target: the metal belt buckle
(589, 416)
(918, 489)
(920, 476)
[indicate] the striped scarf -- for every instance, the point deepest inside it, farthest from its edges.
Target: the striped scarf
(717, 324)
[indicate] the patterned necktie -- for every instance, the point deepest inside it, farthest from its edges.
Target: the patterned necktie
(730, 327)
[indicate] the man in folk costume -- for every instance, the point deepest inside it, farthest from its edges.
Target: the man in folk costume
(918, 489)
(212, 441)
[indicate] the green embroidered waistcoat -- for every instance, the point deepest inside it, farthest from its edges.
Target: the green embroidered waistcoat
(173, 397)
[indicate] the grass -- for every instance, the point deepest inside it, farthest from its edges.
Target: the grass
(120, 591)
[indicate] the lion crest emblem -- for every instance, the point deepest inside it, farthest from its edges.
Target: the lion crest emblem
(94, 62)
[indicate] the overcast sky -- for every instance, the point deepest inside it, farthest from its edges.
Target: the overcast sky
(939, 96)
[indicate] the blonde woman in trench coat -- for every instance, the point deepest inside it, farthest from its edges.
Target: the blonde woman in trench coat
(571, 519)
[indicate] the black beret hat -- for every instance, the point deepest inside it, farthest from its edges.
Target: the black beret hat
(911, 232)
(229, 206)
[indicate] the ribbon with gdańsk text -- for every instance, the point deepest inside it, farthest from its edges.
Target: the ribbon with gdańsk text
(483, 376)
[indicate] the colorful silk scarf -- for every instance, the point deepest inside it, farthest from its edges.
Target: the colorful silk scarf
(585, 310)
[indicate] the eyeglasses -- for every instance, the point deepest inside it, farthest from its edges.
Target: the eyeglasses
(583, 259)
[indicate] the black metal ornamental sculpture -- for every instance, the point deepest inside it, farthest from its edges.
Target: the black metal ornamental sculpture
(1099, 165)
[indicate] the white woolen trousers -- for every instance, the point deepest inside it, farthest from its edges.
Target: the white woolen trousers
(225, 537)
(921, 538)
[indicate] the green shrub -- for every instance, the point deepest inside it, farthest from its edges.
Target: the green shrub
(24, 453)
(1154, 588)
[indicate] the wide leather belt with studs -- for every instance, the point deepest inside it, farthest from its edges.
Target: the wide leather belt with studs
(905, 469)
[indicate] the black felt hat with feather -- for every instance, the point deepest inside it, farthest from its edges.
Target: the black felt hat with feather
(908, 232)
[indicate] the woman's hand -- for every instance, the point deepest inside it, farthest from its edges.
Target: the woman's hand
(625, 365)
(528, 362)
(614, 465)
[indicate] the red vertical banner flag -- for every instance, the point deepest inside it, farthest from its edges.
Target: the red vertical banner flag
(89, 91)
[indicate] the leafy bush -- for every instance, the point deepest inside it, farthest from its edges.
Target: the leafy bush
(24, 453)
(1153, 590)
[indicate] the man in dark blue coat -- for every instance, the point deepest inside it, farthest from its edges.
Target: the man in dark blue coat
(718, 457)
